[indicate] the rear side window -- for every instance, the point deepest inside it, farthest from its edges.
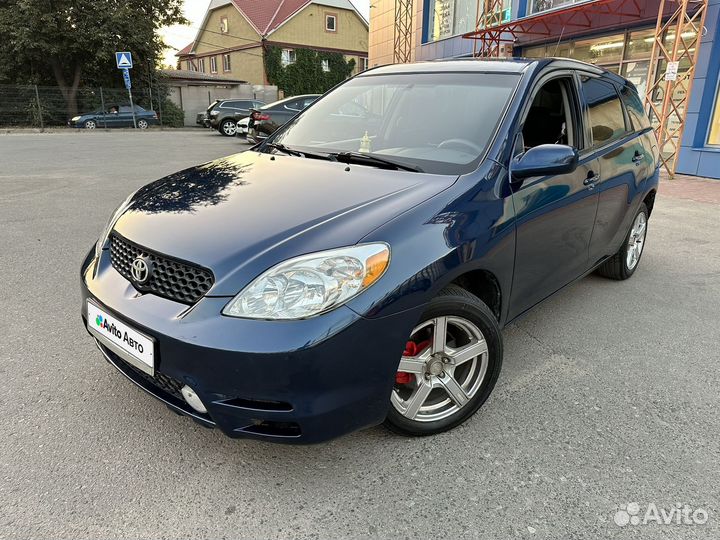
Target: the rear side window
(635, 109)
(606, 117)
(232, 105)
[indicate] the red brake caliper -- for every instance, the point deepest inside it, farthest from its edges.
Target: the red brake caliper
(411, 349)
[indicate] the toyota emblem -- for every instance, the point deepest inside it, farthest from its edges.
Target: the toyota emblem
(140, 270)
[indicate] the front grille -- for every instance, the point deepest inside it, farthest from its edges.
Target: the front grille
(169, 278)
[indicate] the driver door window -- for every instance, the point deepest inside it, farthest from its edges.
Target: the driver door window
(550, 117)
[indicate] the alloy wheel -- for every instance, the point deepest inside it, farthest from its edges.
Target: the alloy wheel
(90, 124)
(636, 241)
(229, 128)
(142, 124)
(442, 369)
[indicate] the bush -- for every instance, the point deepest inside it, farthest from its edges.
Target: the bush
(172, 115)
(306, 75)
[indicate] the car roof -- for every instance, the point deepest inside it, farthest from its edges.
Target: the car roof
(491, 65)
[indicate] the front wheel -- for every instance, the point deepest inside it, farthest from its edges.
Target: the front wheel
(450, 365)
(228, 128)
(623, 264)
(90, 124)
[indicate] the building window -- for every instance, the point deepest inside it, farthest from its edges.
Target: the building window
(191, 65)
(363, 64)
(288, 57)
(201, 65)
(543, 5)
(714, 132)
(449, 18)
(330, 22)
(326, 66)
(213, 64)
(224, 28)
(226, 62)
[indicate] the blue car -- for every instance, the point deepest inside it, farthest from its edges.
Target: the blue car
(116, 116)
(357, 268)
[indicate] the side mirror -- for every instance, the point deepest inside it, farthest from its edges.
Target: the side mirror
(543, 160)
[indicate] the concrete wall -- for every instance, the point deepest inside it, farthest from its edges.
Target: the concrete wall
(695, 157)
(195, 99)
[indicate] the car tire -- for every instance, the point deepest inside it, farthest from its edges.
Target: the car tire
(228, 128)
(425, 400)
(623, 264)
(142, 124)
(90, 124)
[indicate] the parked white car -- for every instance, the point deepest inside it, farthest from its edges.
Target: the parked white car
(242, 127)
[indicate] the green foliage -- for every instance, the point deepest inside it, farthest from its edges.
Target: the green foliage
(306, 75)
(172, 115)
(71, 43)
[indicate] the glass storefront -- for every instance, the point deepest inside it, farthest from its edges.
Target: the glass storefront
(628, 53)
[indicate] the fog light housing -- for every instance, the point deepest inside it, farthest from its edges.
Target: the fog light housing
(192, 399)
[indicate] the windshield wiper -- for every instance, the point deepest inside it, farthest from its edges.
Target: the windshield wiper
(368, 159)
(300, 153)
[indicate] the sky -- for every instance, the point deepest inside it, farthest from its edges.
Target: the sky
(178, 36)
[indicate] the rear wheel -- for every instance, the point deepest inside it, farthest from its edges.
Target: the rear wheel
(228, 127)
(450, 365)
(623, 264)
(142, 124)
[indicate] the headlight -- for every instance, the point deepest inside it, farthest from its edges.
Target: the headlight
(111, 223)
(214, 113)
(75, 119)
(311, 284)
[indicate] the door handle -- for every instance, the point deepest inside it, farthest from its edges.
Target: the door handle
(591, 179)
(638, 157)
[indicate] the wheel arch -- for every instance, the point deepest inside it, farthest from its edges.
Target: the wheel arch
(485, 285)
(649, 200)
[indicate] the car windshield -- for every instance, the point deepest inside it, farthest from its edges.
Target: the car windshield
(437, 122)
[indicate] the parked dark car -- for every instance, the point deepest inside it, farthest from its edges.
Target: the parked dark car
(357, 268)
(265, 120)
(115, 116)
(224, 114)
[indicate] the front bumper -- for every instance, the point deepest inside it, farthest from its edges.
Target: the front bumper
(296, 382)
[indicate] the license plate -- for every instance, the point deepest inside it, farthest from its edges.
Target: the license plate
(131, 345)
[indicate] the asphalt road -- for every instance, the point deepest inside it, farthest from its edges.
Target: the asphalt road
(608, 395)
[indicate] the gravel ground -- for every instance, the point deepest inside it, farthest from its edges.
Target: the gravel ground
(608, 395)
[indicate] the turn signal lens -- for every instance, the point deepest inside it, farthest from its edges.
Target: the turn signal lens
(311, 284)
(375, 267)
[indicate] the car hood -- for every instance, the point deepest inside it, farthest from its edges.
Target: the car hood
(242, 214)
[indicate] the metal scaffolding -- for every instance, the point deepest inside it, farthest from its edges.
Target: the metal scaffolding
(675, 53)
(403, 31)
(489, 16)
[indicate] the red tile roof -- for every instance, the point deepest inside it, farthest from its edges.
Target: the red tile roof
(267, 15)
(186, 49)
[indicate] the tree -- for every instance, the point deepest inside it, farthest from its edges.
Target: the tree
(71, 43)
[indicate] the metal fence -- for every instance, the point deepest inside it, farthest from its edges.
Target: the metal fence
(45, 106)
